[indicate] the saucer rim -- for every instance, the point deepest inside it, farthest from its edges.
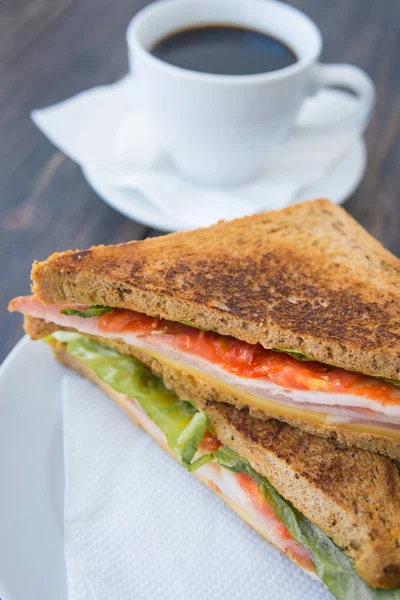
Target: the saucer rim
(349, 169)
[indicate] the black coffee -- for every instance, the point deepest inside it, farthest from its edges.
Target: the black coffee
(224, 50)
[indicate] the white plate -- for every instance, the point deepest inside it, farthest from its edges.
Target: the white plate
(32, 565)
(341, 181)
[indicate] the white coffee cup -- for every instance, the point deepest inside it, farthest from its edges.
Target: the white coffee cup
(219, 128)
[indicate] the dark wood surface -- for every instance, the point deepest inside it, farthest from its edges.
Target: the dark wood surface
(51, 49)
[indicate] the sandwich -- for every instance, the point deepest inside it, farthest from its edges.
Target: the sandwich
(264, 355)
(293, 314)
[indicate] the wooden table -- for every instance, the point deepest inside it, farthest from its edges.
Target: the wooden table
(52, 49)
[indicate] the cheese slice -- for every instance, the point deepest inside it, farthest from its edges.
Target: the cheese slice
(276, 409)
(303, 404)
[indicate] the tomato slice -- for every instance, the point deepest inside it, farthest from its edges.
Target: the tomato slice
(209, 443)
(291, 547)
(260, 503)
(255, 494)
(252, 360)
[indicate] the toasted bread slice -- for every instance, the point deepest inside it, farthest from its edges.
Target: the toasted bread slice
(307, 278)
(352, 495)
(202, 392)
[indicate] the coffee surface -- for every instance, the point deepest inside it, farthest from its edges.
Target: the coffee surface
(224, 50)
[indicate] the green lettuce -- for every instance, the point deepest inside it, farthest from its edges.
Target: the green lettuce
(294, 353)
(331, 564)
(93, 311)
(184, 427)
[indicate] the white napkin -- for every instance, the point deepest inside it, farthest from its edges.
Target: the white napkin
(138, 526)
(116, 145)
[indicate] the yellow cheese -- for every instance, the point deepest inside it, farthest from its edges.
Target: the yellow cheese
(278, 410)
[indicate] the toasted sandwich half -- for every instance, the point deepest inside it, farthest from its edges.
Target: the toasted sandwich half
(198, 335)
(334, 511)
(293, 314)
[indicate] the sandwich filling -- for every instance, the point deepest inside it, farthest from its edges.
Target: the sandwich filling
(184, 431)
(281, 381)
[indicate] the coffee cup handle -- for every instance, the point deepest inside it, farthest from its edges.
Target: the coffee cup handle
(352, 79)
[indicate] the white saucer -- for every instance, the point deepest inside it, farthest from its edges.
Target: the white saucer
(341, 181)
(127, 163)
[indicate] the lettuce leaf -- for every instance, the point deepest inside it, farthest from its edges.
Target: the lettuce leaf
(185, 426)
(92, 311)
(294, 353)
(331, 564)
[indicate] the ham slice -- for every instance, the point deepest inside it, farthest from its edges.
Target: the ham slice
(339, 407)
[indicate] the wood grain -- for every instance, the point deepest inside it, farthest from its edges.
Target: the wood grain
(52, 49)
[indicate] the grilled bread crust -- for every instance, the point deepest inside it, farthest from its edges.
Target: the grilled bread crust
(307, 278)
(202, 392)
(352, 495)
